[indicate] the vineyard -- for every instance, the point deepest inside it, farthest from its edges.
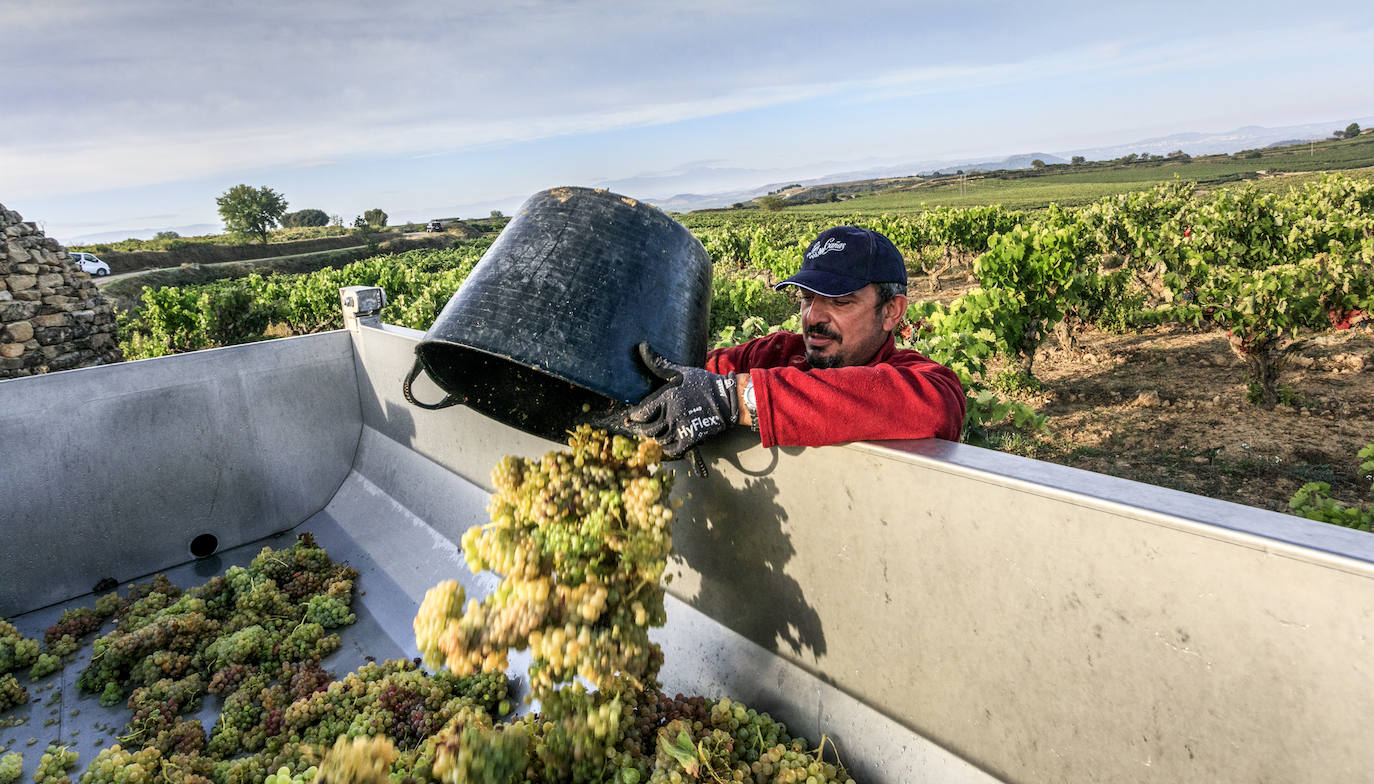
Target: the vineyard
(1215, 342)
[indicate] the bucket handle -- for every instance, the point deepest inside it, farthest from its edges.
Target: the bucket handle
(449, 400)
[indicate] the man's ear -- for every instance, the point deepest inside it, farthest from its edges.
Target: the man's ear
(893, 312)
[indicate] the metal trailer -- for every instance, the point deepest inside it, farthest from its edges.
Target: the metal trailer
(944, 613)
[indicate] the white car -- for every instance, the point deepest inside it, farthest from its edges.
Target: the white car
(89, 263)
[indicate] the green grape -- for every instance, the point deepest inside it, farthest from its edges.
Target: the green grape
(582, 538)
(328, 612)
(11, 767)
(53, 766)
(46, 664)
(12, 695)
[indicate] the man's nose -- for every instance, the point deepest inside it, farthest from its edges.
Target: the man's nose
(817, 311)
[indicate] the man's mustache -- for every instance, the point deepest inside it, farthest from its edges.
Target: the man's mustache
(823, 331)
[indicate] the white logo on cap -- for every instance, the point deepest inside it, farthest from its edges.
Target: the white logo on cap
(818, 249)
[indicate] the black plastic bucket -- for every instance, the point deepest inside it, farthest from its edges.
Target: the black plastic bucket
(542, 334)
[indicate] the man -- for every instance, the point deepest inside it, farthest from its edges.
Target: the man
(842, 379)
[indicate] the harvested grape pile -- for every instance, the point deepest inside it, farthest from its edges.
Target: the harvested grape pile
(581, 538)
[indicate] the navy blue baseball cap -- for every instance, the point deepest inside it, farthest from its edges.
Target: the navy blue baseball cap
(844, 259)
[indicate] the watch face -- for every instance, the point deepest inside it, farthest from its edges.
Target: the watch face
(749, 394)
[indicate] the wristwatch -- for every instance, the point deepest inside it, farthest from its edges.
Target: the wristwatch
(751, 404)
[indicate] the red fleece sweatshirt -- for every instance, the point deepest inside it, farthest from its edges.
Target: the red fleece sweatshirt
(900, 394)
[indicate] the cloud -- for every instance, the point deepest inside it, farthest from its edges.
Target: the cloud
(161, 91)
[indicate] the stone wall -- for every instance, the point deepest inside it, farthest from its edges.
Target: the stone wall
(52, 317)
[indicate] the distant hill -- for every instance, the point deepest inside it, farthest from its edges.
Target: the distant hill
(694, 189)
(194, 230)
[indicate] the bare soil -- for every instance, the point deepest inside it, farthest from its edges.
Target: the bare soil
(1169, 407)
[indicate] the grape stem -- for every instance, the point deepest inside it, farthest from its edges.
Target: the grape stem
(833, 747)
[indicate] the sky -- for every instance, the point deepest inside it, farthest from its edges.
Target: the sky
(133, 115)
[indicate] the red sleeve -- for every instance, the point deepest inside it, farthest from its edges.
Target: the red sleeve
(907, 396)
(726, 360)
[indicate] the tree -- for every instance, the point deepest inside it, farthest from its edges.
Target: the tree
(307, 217)
(1179, 155)
(250, 211)
(1352, 130)
(497, 214)
(1037, 164)
(772, 203)
(1078, 160)
(375, 217)
(167, 235)
(832, 196)
(367, 231)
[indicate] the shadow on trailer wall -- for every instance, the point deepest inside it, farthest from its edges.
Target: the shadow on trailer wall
(912, 599)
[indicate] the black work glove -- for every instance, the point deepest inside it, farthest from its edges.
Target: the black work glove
(694, 405)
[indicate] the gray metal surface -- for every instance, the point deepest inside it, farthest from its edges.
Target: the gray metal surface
(111, 471)
(459, 439)
(1047, 624)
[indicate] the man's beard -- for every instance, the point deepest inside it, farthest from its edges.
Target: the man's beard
(818, 360)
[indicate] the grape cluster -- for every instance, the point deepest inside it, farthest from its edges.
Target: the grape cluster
(473, 750)
(242, 618)
(46, 664)
(11, 767)
(16, 651)
(53, 766)
(12, 694)
(581, 538)
(116, 765)
(328, 612)
(156, 707)
(283, 775)
(76, 623)
(359, 760)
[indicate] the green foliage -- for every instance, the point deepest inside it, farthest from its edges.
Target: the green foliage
(1031, 277)
(250, 211)
(375, 218)
(962, 346)
(306, 217)
(771, 202)
(174, 320)
(738, 296)
(1013, 382)
(1264, 310)
(170, 243)
(1313, 500)
(167, 235)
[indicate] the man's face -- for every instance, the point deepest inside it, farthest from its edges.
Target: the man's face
(847, 330)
